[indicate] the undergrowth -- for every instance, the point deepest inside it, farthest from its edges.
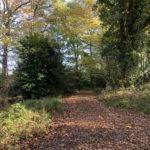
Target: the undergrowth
(130, 99)
(25, 120)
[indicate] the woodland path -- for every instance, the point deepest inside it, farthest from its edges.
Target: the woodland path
(87, 124)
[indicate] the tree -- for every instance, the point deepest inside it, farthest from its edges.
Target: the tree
(77, 26)
(9, 12)
(38, 12)
(40, 70)
(125, 22)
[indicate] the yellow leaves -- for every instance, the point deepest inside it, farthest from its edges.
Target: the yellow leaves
(95, 21)
(26, 9)
(129, 126)
(60, 6)
(90, 2)
(89, 63)
(76, 18)
(106, 28)
(6, 40)
(92, 38)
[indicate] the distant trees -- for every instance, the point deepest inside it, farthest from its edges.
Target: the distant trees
(78, 28)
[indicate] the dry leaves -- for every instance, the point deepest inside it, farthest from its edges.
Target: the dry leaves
(87, 124)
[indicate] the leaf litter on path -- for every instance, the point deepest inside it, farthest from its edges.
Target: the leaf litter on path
(87, 124)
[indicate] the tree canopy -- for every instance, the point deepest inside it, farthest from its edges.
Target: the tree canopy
(103, 42)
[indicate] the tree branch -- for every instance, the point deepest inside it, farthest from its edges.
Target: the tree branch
(22, 4)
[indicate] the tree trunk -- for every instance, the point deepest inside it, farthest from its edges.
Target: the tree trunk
(4, 88)
(91, 75)
(127, 39)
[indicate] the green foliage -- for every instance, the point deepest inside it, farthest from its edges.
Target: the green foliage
(73, 80)
(21, 123)
(40, 70)
(0, 79)
(3, 102)
(80, 35)
(128, 99)
(48, 104)
(26, 119)
(125, 24)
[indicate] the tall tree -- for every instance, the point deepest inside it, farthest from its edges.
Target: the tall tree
(126, 21)
(77, 24)
(38, 13)
(10, 10)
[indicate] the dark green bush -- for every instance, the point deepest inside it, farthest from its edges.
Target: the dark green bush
(40, 69)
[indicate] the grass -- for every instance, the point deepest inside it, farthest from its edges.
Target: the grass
(25, 120)
(49, 105)
(131, 99)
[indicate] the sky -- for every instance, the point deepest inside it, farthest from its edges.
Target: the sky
(68, 0)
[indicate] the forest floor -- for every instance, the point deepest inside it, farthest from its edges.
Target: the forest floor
(87, 124)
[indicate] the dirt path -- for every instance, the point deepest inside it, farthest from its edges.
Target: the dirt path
(87, 124)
